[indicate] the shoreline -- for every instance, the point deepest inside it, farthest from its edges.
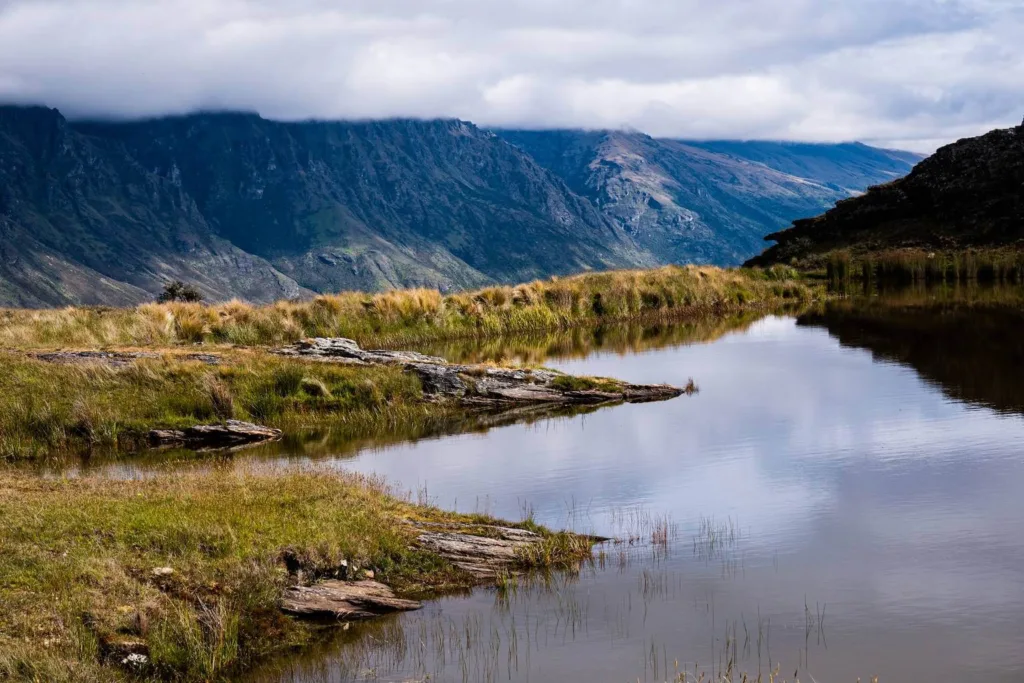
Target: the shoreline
(181, 576)
(188, 571)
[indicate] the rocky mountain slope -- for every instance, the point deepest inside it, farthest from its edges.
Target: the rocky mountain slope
(107, 213)
(242, 206)
(968, 194)
(706, 201)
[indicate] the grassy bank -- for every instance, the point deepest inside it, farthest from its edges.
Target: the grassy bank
(410, 316)
(49, 408)
(77, 561)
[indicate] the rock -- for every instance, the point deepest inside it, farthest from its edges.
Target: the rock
(482, 556)
(344, 600)
(129, 653)
(483, 385)
(230, 434)
(161, 572)
(118, 359)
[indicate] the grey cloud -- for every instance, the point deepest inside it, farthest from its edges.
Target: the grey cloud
(910, 72)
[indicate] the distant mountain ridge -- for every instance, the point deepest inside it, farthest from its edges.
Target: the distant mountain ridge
(969, 194)
(704, 201)
(241, 206)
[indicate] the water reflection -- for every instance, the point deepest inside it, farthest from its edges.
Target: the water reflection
(829, 494)
(971, 350)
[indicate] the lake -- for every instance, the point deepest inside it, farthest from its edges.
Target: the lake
(841, 499)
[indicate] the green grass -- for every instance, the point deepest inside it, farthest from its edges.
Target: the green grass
(51, 408)
(77, 559)
(578, 383)
(412, 316)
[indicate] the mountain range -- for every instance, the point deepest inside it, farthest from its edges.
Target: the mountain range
(242, 206)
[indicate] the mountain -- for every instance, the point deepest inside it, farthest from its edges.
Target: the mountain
(706, 201)
(241, 206)
(849, 167)
(969, 194)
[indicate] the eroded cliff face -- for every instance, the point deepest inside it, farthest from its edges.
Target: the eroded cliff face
(968, 194)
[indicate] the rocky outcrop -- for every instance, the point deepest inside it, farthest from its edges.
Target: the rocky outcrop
(484, 385)
(230, 434)
(482, 556)
(969, 194)
(344, 601)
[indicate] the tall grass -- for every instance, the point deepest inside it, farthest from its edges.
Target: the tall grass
(408, 316)
(913, 266)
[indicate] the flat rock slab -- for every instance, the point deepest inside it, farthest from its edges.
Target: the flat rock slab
(344, 601)
(483, 385)
(482, 556)
(230, 434)
(117, 359)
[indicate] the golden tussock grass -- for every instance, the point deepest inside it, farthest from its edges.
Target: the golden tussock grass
(409, 316)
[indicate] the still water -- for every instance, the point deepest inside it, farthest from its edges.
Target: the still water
(842, 498)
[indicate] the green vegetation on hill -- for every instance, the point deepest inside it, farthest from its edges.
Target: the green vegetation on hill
(964, 202)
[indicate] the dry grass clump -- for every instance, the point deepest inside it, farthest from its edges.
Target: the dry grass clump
(77, 569)
(408, 316)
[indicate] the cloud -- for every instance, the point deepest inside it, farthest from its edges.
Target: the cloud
(913, 73)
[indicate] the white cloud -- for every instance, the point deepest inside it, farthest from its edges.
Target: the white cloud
(910, 72)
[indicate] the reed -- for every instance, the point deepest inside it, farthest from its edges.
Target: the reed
(912, 266)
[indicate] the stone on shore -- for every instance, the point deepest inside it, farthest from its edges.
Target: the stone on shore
(482, 556)
(230, 434)
(344, 601)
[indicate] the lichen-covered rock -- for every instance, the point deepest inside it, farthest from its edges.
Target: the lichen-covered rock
(344, 601)
(482, 556)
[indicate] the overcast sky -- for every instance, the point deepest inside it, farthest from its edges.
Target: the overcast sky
(905, 73)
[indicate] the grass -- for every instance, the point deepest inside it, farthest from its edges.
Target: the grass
(903, 267)
(77, 556)
(77, 561)
(51, 408)
(410, 316)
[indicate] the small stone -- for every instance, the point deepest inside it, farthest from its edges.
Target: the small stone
(160, 572)
(135, 659)
(369, 574)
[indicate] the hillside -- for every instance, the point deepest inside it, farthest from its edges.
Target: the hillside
(706, 201)
(242, 206)
(108, 212)
(968, 195)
